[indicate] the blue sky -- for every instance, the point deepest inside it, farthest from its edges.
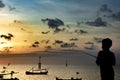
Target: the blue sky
(68, 10)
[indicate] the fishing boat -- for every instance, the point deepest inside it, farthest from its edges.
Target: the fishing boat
(38, 71)
(11, 73)
(69, 78)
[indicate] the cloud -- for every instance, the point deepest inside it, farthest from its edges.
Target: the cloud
(7, 37)
(45, 32)
(74, 39)
(53, 23)
(98, 40)
(68, 45)
(59, 30)
(104, 11)
(35, 44)
(90, 46)
(11, 8)
(48, 47)
(58, 42)
(2, 5)
(89, 43)
(80, 31)
(98, 22)
(116, 16)
(104, 8)
(45, 41)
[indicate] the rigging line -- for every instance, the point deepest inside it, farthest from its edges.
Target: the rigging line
(83, 52)
(89, 54)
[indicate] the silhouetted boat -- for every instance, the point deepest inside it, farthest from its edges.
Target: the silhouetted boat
(10, 79)
(39, 71)
(11, 73)
(69, 79)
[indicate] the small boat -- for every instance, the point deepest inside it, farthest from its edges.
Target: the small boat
(11, 73)
(38, 71)
(35, 72)
(10, 79)
(69, 78)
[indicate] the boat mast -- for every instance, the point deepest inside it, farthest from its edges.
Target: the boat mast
(66, 63)
(39, 64)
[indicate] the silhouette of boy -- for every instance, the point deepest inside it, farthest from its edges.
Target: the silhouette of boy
(106, 60)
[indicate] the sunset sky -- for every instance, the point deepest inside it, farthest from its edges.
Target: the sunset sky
(24, 25)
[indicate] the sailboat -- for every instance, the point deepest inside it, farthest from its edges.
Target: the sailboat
(38, 71)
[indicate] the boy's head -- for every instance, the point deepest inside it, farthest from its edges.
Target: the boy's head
(106, 44)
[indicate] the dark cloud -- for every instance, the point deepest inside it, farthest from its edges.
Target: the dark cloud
(98, 40)
(59, 30)
(26, 30)
(90, 46)
(17, 21)
(7, 37)
(2, 4)
(58, 42)
(68, 26)
(80, 32)
(47, 41)
(45, 32)
(35, 44)
(48, 47)
(104, 8)
(89, 43)
(43, 20)
(11, 8)
(104, 11)
(74, 39)
(78, 23)
(42, 41)
(53, 23)
(116, 16)
(98, 22)
(68, 45)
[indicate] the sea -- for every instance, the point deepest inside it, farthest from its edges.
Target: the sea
(78, 66)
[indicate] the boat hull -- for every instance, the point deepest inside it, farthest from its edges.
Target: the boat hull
(36, 73)
(68, 79)
(10, 79)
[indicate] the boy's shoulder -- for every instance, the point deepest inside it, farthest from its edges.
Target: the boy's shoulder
(104, 52)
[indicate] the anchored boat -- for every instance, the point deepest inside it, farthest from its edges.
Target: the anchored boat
(38, 71)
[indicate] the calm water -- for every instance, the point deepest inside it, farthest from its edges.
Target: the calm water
(55, 63)
(85, 72)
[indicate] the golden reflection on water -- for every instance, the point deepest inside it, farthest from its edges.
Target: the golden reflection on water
(60, 71)
(85, 72)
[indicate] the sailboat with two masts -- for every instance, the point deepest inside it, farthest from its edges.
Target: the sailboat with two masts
(39, 71)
